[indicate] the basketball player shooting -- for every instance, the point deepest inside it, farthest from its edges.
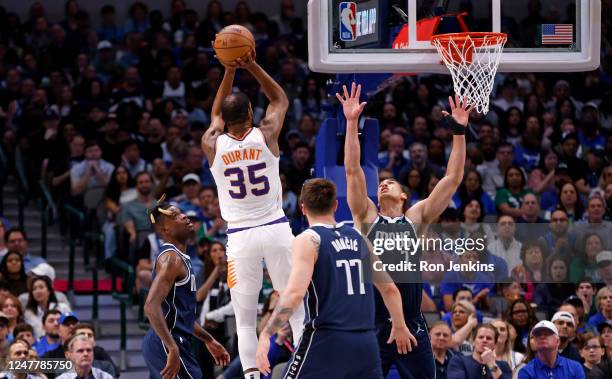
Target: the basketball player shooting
(171, 303)
(419, 362)
(339, 339)
(244, 161)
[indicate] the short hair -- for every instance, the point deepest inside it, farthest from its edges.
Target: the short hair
(22, 327)
(90, 143)
(84, 325)
(506, 283)
(301, 144)
(460, 289)
(141, 173)
(75, 338)
(487, 326)
(415, 144)
(14, 230)
(596, 197)
(559, 210)
(583, 340)
(129, 144)
(20, 340)
(318, 196)
(235, 108)
(209, 188)
(586, 279)
(158, 214)
(49, 313)
(437, 324)
(502, 215)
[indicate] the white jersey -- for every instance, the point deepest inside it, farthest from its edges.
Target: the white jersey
(248, 181)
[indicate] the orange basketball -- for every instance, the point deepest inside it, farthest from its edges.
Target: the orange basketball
(233, 42)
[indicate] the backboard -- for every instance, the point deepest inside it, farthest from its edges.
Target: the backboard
(391, 36)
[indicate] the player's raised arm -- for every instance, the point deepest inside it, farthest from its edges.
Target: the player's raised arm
(304, 251)
(274, 119)
(169, 267)
(429, 209)
(216, 122)
(362, 208)
(225, 88)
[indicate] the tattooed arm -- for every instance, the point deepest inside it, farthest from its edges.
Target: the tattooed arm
(304, 251)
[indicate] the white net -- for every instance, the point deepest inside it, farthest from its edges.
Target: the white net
(472, 59)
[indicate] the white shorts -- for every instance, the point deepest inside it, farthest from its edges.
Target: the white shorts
(247, 249)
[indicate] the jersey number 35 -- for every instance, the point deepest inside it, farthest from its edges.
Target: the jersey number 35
(260, 184)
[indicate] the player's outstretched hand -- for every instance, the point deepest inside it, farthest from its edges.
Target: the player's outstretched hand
(263, 347)
(173, 364)
(403, 339)
(218, 352)
(459, 109)
(350, 103)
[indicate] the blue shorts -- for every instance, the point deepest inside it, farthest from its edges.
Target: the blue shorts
(154, 353)
(335, 354)
(419, 363)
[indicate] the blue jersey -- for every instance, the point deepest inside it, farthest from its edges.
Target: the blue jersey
(179, 307)
(338, 297)
(411, 292)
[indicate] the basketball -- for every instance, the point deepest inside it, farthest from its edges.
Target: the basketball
(233, 42)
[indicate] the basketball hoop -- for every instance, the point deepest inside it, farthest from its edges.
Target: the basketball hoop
(472, 59)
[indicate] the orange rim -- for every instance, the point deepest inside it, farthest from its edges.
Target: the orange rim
(479, 38)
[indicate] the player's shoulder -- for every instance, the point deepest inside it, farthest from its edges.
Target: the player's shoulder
(310, 233)
(170, 254)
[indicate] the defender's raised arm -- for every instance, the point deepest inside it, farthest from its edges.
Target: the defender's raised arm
(362, 208)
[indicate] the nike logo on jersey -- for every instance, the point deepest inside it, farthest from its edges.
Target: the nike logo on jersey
(241, 155)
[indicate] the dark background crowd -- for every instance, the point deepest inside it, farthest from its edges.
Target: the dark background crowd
(110, 114)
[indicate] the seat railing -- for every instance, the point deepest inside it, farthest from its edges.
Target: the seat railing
(23, 188)
(48, 211)
(125, 296)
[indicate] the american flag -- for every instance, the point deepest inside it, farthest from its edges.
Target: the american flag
(557, 34)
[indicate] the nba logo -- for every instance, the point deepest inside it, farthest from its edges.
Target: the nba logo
(348, 21)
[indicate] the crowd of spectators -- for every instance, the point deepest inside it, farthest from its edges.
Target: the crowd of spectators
(110, 117)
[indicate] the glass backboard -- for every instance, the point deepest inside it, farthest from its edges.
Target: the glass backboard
(393, 35)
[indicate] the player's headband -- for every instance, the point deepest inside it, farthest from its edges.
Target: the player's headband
(159, 209)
